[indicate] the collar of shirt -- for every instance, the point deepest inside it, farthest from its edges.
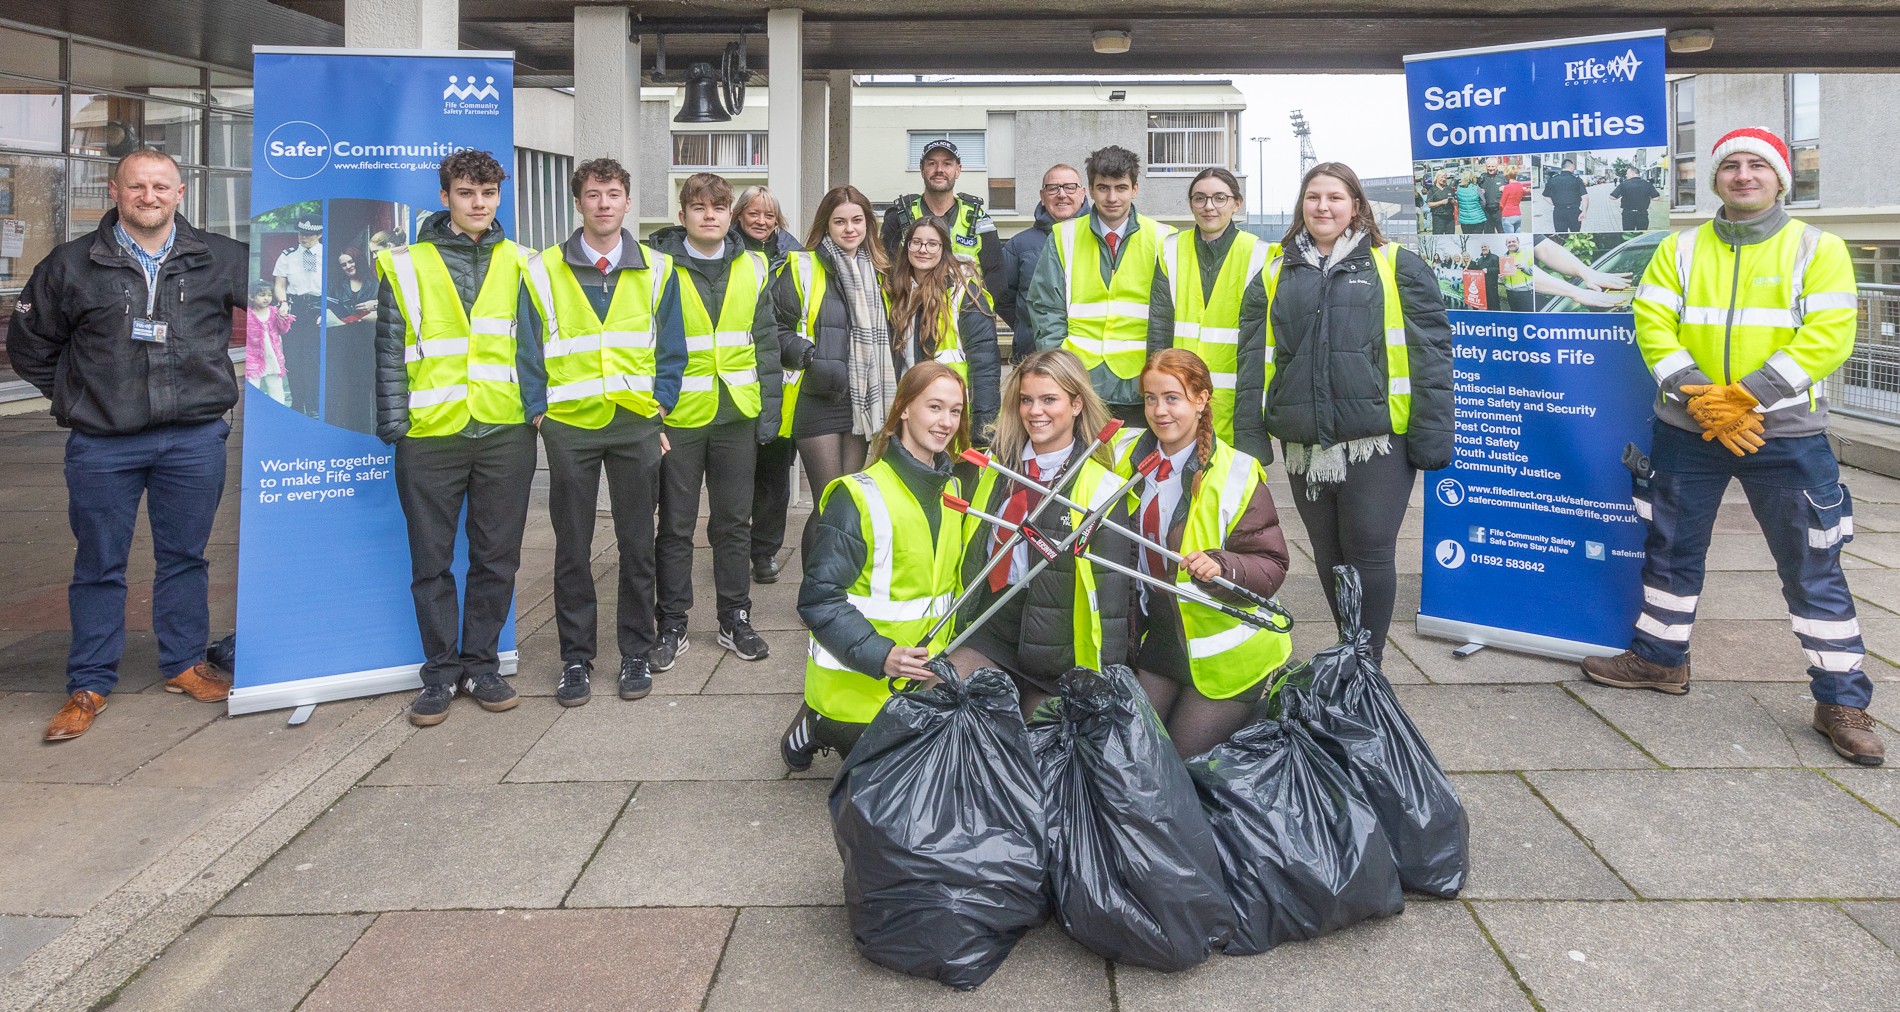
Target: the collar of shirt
(612, 255)
(149, 262)
(1102, 229)
(693, 251)
(1047, 464)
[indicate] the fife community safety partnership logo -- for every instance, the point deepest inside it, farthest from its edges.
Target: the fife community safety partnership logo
(1591, 70)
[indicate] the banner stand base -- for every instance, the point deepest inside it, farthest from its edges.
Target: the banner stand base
(306, 692)
(302, 714)
(1476, 637)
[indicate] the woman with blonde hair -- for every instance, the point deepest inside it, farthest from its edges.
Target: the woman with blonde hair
(760, 224)
(1073, 612)
(883, 568)
(939, 311)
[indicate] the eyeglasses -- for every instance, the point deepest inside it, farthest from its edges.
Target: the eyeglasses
(1211, 199)
(1064, 189)
(925, 245)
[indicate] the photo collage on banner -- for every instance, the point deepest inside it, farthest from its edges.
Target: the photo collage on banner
(1539, 172)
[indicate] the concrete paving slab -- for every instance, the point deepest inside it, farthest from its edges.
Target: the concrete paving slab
(774, 605)
(506, 961)
(1729, 834)
(1881, 919)
(1431, 957)
(1515, 727)
(717, 844)
(1693, 955)
(1872, 517)
(1879, 587)
(69, 845)
(541, 664)
(799, 958)
(477, 750)
(37, 662)
(1732, 650)
(1718, 724)
(782, 672)
(663, 738)
(436, 848)
(1741, 595)
(1490, 666)
(1792, 710)
(133, 729)
(242, 964)
(1881, 549)
(1878, 787)
(236, 753)
(1870, 487)
(21, 937)
(1520, 850)
(1750, 552)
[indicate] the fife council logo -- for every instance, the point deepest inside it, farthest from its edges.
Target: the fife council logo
(469, 91)
(298, 149)
(1591, 70)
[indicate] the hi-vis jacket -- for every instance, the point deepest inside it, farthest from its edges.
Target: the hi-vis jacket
(596, 366)
(1208, 323)
(459, 360)
(1769, 304)
(1095, 305)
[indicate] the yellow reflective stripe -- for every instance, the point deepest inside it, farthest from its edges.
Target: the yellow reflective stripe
(1803, 400)
(1401, 385)
(408, 287)
(436, 396)
(492, 326)
(1671, 364)
(1239, 482)
(695, 384)
(1789, 370)
(1663, 631)
(435, 348)
(733, 338)
(741, 378)
(1717, 316)
(1395, 337)
(950, 356)
(1817, 301)
(879, 514)
(626, 339)
(543, 288)
(822, 657)
(1113, 307)
(1661, 296)
(1256, 262)
(788, 377)
(1225, 380)
(883, 609)
(623, 383)
(1217, 335)
(699, 343)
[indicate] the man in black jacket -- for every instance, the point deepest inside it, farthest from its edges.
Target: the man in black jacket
(126, 332)
(1063, 196)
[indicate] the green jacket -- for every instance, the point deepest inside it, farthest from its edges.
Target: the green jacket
(1044, 311)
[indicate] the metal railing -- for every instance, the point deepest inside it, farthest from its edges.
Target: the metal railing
(1868, 384)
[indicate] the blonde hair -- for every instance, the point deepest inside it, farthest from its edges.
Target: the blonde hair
(915, 381)
(1065, 371)
(756, 192)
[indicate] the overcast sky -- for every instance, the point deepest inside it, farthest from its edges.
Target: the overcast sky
(1358, 119)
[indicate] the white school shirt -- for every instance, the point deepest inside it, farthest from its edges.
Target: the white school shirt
(1170, 493)
(1047, 464)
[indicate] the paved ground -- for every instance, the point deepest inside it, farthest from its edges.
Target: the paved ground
(1630, 851)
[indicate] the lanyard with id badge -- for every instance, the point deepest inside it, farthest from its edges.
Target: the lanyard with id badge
(148, 330)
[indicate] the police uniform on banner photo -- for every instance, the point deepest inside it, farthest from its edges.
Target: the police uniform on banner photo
(298, 277)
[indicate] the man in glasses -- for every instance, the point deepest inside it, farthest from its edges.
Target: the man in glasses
(1062, 197)
(972, 233)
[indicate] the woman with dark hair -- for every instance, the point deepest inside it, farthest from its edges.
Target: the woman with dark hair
(939, 311)
(349, 344)
(1072, 613)
(1208, 299)
(835, 332)
(1202, 670)
(1359, 392)
(883, 569)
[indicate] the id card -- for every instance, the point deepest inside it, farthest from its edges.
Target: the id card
(150, 331)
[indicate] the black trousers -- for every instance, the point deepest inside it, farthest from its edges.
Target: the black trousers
(721, 457)
(772, 495)
(1356, 523)
(628, 449)
(303, 353)
(1134, 416)
(436, 477)
(1635, 219)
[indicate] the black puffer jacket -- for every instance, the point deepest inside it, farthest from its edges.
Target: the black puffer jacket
(838, 556)
(1329, 381)
(824, 398)
(1046, 646)
(71, 334)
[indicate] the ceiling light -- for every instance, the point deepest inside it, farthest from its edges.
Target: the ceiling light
(1118, 95)
(1109, 41)
(1691, 40)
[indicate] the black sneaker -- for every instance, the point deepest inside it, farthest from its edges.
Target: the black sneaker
(765, 569)
(575, 688)
(636, 677)
(798, 746)
(736, 635)
(671, 644)
(432, 706)
(492, 691)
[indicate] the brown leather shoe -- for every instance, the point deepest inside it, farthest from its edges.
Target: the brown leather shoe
(1628, 671)
(1851, 732)
(75, 717)
(199, 682)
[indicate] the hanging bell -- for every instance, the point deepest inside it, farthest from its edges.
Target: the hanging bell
(701, 102)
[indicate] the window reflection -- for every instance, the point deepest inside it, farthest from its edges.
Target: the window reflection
(110, 126)
(30, 115)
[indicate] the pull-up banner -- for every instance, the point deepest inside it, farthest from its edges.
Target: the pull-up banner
(344, 154)
(1541, 172)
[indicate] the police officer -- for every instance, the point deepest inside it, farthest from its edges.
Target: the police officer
(606, 310)
(455, 393)
(1740, 322)
(971, 230)
(297, 278)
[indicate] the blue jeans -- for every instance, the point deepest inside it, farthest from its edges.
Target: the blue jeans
(179, 471)
(1794, 488)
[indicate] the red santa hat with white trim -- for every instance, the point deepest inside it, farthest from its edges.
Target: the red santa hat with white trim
(1755, 141)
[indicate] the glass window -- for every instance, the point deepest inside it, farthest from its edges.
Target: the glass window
(1807, 173)
(1002, 193)
(1682, 193)
(122, 71)
(109, 126)
(1184, 141)
(230, 142)
(90, 199)
(1804, 107)
(971, 147)
(31, 115)
(235, 99)
(31, 54)
(226, 198)
(32, 222)
(719, 150)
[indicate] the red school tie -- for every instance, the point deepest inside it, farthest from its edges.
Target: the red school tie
(602, 264)
(1114, 243)
(1015, 510)
(1151, 523)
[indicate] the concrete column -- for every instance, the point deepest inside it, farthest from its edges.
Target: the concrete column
(434, 25)
(785, 117)
(607, 90)
(838, 125)
(814, 147)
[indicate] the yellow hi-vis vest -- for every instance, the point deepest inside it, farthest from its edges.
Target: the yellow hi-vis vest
(1094, 485)
(909, 581)
(808, 276)
(1787, 305)
(949, 339)
(1109, 322)
(1398, 364)
(596, 366)
(460, 362)
(1210, 326)
(722, 352)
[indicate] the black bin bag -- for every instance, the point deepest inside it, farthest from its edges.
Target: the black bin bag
(1301, 848)
(938, 817)
(1419, 810)
(1132, 860)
